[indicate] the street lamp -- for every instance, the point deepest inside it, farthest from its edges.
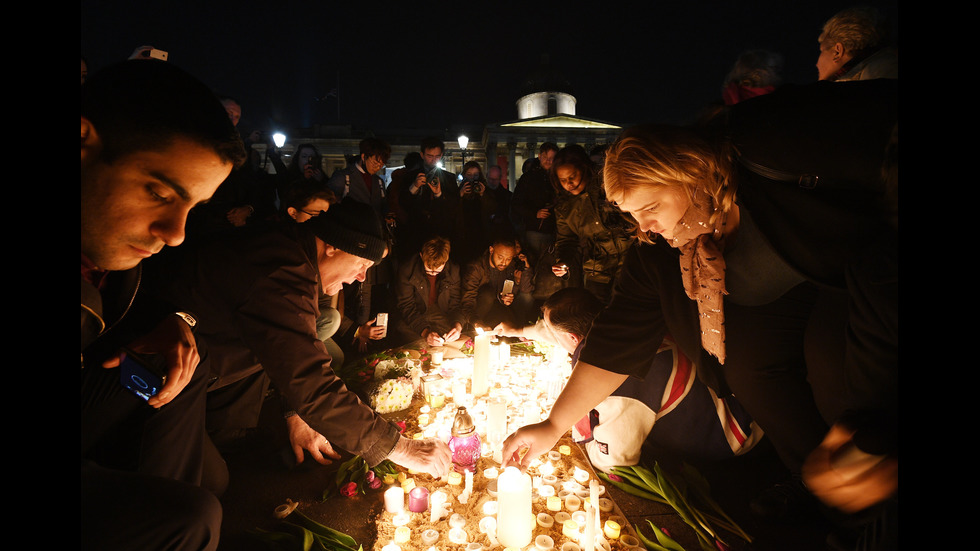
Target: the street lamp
(279, 139)
(463, 140)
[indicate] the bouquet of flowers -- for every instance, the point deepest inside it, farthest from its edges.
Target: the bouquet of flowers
(354, 477)
(467, 347)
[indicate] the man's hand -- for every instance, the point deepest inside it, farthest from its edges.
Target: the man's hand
(302, 437)
(430, 455)
(453, 333)
(238, 216)
(506, 330)
(368, 331)
(434, 339)
(559, 269)
(436, 186)
(844, 477)
(507, 299)
(172, 339)
(529, 443)
(417, 185)
(543, 213)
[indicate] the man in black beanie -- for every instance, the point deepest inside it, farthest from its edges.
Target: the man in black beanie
(255, 293)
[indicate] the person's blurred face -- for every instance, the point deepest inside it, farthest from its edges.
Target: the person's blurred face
(494, 175)
(547, 158)
(372, 164)
(338, 267)
(313, 208)
(139, 203)
(431, 157)
(306, 156)
(501, 256)
(571, 179)
(471, 174)
(655, 208)
(234, 111)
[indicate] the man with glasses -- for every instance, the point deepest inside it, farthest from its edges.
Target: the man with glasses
(431, 198)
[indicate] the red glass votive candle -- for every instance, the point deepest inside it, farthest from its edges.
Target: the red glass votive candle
(418, 500)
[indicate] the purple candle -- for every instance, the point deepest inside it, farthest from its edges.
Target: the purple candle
(418, 499)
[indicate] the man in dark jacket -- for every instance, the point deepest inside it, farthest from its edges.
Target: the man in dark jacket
(428, 293)
(497, 285)
(256, 294)
(533, 203)
(154, 143)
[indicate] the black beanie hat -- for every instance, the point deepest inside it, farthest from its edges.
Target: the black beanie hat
(352, 227)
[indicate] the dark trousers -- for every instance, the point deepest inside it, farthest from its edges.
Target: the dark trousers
(143, 469)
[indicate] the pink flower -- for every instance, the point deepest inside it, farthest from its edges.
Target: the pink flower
(401, 425)
(374, 483)
(615, 477)
(721, 545)
(369, 477)
(666, 533)
(349, 489)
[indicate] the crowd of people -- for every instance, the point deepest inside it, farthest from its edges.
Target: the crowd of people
(749, 259)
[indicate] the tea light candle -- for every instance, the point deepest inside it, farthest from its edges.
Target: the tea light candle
(437, 399)
(401, 519)
(545, 520)
(391, 547)
(492, 488)
(554, 455)
(457, 521)
(546, 490)
(554, 503)
(611, 529)
(561, 517)
(394, 499)
(455, 479)
(564, 449)
(418, 500)
(490, 473)
(546, 469)
(490, 508)
(550, 480)
(488, 524)
(457, 535)
(504, 351)
(629, 541)
(408, 484)
(403, 534)
(430, 536)
(544, 543)
(605, 504)
(474, 546)
(581, 475)
(579, 517)
(570, 546)
(424, 419)
(569, 529)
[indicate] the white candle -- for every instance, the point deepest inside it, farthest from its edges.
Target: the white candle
(394, 499)
(437, 357)
(438, 501)
(497, 426)
(514, 508)
(588, 543)
(504, 349)
(481, 365)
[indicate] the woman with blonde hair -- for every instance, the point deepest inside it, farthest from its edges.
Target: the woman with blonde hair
(750, 267)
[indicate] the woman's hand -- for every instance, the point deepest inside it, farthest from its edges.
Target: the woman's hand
(529, 443)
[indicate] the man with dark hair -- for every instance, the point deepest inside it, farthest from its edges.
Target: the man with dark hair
(256, 294)
(497, 285)
(533, 203)
(430, 198)
(360, 182)
(428, 294)
(155, 143)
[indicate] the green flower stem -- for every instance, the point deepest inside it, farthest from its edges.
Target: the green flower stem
(633, 490)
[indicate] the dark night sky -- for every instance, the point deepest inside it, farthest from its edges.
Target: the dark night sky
(425, 65)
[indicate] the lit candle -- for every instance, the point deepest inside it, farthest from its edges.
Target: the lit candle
(545, 520)
(457, 520)
(546, 490)
(394, 499)
(549, 480)
(437, 357)
(570, 546)
(490, 508)
(488, 526)
(547, 469)
(403, 534)
(418, 500)
(424, 419)
(514, 508)
(589, 536)
(497, 426)
(457, 535)
(581, 476)
(468, 487)
(391, 547)
(570, 529)
(455, 479)
(572, 502)
(490, 473)
(430, 536)
(554, 503)
(611, 529)
(481, 359)
(605, 505)
(401, 519)
(504, 352)
(564, 449)
(437, 399)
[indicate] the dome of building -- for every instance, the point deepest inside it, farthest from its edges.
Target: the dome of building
(544, 92)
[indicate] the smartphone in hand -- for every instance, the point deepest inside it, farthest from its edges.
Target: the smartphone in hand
(143, 374)
(508, 287)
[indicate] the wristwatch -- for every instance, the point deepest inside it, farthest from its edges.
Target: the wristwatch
(190, 319)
